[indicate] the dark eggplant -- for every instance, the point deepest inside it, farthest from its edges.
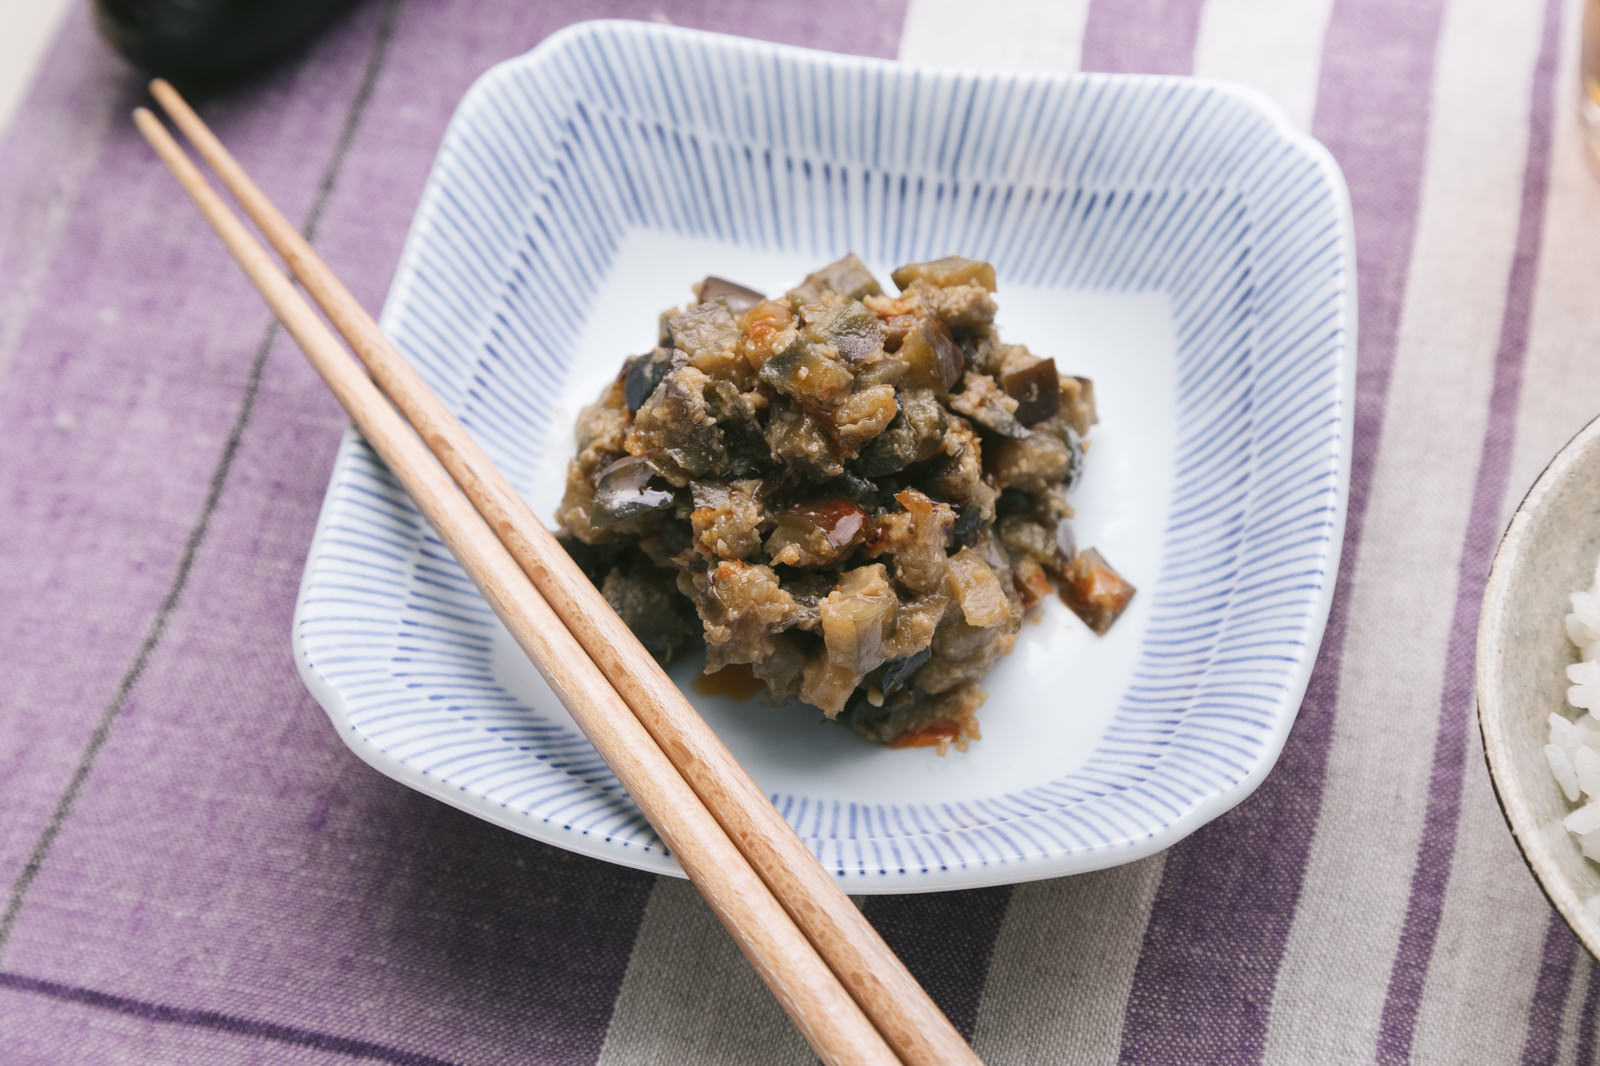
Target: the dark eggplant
(968, 527)
(946, 272)
(642, 373)
(896, 672)
(209, 40)
(1037, 391)
(917, 433)
(988, 407)
(853, 331)
(808, 372)
(849, 277)
(933, 357)
(623, 491)
(1095, 592)
(738, 297)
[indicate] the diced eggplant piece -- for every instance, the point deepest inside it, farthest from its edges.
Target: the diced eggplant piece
(676, 428)
(810, 372)
(968, 527)
(797, 439)
(737, 417)
(856, 489)
(727, 518)
(741, 606)
(826, 685)
(917, 539)
(1077, 403)
(916, 622)
(1033, 464)
(897, 328)
(863, 415)
(917, 433)
(857, 618)
(1032, 536)
(704, 331)
(642, 373)
(816, 534)
(1095, 592)
(590, 559)
(933, 359)
(968, 310)
(623, 491)
(977, 590)
(783, 670)
(946, 272)
(769, 327)
(988, 406)
(852, 330)
(808, 588)
(1037, 391)
(739, 298)
(647, 601)
(849, 277)
(898, 672)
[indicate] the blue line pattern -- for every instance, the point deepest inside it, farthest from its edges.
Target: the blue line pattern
(1102, 183)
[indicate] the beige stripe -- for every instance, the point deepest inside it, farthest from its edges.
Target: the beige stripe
(1273, 48)
(1336, 965)
(1561, 375)
(689, 997)
(25, 32)
(1063, 968)
(1494, 923)
(1495, 917)
(995, 34)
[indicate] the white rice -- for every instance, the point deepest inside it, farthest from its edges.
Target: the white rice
(1574, 748)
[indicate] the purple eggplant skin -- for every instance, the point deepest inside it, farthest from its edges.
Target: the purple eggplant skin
(209, 41)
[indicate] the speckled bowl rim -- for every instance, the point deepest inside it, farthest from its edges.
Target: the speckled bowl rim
(1493, 727)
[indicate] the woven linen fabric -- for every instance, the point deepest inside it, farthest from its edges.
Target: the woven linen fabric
(196, 870)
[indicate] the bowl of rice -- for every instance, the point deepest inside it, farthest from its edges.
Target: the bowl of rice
(1538, 680)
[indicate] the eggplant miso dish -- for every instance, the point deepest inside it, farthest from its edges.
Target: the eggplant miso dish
(851, 495)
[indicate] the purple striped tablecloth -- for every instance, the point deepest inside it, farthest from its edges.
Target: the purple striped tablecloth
(193, 869)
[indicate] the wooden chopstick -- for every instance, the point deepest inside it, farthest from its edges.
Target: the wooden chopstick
(879, 981)
(830, 1020)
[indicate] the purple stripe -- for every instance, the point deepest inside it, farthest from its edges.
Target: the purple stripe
(1542, 1044)
(1436, 850)
(1587, 1014)
(215, 1021)
(1141, 36)
(946, 940)
(469, 940)
(1227, 898)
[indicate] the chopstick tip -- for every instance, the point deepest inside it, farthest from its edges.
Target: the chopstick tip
(148, 123)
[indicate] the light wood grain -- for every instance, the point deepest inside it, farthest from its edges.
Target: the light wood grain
(813, 996)
(877, 979)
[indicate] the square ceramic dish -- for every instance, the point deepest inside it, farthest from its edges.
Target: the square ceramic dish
(1174, 240)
